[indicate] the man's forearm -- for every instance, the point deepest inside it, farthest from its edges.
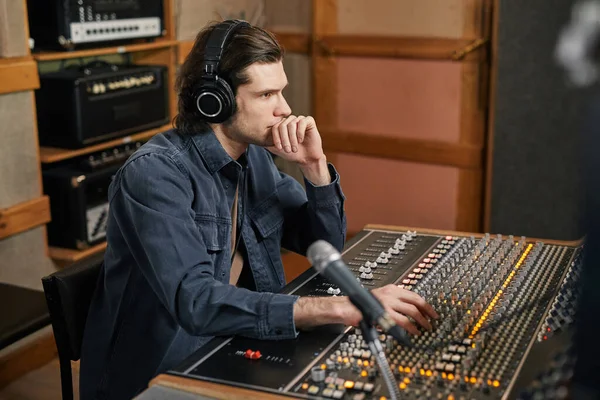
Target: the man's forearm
(317, 173)
(314, 311)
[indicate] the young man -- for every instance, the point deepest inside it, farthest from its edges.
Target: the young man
(193, 196)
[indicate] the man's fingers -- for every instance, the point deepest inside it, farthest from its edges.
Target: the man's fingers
(413, 312)
(301, 129)
(276, 136)
(413, 298)
(292, 134)
(283, 135)
(405, 323)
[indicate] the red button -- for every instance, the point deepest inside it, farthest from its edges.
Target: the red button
(248, 353)
(256, 355)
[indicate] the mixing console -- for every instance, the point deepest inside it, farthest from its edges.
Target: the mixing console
(505, 307)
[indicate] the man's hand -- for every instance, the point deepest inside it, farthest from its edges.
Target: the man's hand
(399, 303)
(297, 139)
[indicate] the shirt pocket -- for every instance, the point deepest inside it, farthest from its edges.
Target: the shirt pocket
(267, 220)
(216, 233)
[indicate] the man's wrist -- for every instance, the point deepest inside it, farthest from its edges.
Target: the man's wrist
(317, 172)
(316, 311)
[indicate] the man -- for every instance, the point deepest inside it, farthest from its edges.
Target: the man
(193, 196)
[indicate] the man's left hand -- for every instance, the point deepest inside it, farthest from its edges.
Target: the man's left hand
(297, 139)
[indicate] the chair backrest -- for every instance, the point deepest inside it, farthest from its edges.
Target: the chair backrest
(69, 293)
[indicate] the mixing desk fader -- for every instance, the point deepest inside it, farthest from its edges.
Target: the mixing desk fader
(505, 303)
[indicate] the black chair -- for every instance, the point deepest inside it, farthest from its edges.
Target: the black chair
(27, 314)
(68, 296)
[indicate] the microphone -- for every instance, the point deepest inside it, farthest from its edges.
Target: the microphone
(328, 262)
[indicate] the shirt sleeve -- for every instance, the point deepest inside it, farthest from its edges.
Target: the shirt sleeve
(152, 206)
(317, 214)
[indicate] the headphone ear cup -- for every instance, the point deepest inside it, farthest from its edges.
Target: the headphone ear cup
(215, 101)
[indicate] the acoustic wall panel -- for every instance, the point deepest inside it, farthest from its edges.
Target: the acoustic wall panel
(289, 15)
(192, 15)
(13, 42)
(18, 150)
(402, 98)
(23, 259)
(392, 192)
(441, 18)
(535, 171)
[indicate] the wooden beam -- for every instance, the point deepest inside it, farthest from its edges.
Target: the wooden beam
(473, 111)
(183, 49)
(291, 42)
(169, 19)
(64, 257)
(54, 154)
(18, 74)
(421, 48)
(487, 194)
(62, 55)
(425, 151)
(24, 216)
(294, 42)
(324, 66)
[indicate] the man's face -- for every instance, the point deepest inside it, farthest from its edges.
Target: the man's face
(260, 105)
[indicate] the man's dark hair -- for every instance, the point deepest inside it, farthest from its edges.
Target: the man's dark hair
(247, 45)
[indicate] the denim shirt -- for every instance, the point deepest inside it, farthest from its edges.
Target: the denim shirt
(164, 288)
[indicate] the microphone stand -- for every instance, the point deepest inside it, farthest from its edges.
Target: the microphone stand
(370, 335)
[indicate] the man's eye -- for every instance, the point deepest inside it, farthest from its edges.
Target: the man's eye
(267, 95)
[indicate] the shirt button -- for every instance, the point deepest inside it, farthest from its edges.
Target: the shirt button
(223, 273)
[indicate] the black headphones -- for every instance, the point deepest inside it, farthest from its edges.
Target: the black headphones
(214, 97)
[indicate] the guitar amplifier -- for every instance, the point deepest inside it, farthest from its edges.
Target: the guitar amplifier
(79, 197)
(65, 24)
(80, 106)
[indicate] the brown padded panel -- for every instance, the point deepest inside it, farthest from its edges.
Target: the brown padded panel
(18, 150)
(442, 18)
(382, 191)
(401, 98)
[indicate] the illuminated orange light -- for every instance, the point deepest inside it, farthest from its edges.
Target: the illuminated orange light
(497, 296)
(496, 383)
(473, 379)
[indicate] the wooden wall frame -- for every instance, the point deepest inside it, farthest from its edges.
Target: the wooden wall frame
(24, 216)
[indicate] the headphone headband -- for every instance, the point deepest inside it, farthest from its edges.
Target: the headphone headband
(216, 43)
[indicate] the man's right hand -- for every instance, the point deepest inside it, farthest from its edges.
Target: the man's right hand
(399, 303)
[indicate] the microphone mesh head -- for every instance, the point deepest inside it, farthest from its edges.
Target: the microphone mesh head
(320, 253)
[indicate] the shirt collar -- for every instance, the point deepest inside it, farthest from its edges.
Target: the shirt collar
(212, 152)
